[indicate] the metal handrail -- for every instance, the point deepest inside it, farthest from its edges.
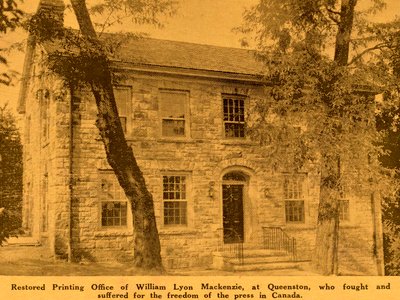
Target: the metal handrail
(275, 238)
(235, 248)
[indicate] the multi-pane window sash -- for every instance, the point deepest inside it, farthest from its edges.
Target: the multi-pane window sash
(294, 199)
(114, 206)
(344, 210)
(234, 118)
(174, 198)
(113, 213)
(123, 100)
(173, 106)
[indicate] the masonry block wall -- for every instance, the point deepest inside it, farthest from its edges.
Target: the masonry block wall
(66, 175)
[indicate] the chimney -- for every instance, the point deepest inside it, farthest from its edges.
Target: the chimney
(54, 9)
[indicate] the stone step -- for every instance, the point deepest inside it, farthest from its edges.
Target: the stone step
(260, 259)
(251, 252)
(254, 259)
(289, 265)
(22, 241)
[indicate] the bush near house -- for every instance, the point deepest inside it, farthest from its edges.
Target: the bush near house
(10, 176)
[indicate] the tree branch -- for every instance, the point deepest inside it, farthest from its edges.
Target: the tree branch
(365, 51)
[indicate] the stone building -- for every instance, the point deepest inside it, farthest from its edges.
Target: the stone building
(184, 109)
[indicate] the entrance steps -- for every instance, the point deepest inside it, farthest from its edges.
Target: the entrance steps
(254, 259)
(22, 241)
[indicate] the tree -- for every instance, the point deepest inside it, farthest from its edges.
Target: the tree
(329, 97)
(10, 176)
(10, 18)
(10, 146)
(85, 62)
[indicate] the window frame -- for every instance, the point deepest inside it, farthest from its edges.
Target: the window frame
(187, 200)
(128, 120)
(300, 198)
(344, 215)
(186, 118)
(43, 95)
(104, 178)
(245, 100)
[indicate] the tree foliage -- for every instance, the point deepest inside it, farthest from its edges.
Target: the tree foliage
(322, 64)
(10, 176)
(10, 18)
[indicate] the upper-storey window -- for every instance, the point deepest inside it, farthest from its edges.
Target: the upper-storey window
(234, 116)
(174, 113)
(123, 100)
(44, 100)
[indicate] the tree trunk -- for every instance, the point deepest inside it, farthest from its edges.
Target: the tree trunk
(327, 240)
(119, 154)
(326, 248)
(342, 43)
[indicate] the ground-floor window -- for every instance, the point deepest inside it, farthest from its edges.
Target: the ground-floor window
(113, 213)
(174, 200)
(294, 211)
(344, 210)
(114, 204)
(293, 190)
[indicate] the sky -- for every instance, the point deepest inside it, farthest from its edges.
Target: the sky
(197, 21)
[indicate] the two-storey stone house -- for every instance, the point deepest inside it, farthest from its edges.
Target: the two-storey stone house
(184, 109)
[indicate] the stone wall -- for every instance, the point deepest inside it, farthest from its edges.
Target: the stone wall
(204, 156)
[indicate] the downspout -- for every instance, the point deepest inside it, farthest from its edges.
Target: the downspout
(71, 174)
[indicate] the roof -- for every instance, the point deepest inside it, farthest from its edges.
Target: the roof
(148, 53)
(166, 53)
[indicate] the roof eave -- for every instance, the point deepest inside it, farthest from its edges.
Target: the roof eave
(188, 72)
(28, 61)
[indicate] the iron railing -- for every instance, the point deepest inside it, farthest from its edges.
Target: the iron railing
(275, 238)
(233, 245)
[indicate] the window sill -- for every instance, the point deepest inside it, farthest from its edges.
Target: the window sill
(176, 231)
(299, 226)
(238, 141)
(175, 140)
(347, 225)
(113, 232)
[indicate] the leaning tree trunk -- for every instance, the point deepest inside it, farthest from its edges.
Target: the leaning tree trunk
(326, 249)
(327, 240)
(119, 154)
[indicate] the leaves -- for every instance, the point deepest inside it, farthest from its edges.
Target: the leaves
(137, 11)
(10, 175)
(331, 101)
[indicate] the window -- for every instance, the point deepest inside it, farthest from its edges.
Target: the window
(174, 198)
(344, 210)
(234, 119)
(114, 205)
(174, 111)
(44, 98)
(45, 208)
(28, 130)
(123, 100)
(294, 199)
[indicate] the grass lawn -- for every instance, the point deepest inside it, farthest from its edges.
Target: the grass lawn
(35, 261)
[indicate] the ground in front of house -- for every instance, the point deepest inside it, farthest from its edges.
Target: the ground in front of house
(35, 261)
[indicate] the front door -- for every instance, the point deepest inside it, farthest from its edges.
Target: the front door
(232, 196)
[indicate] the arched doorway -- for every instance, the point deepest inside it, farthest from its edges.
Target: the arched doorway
(233, 194)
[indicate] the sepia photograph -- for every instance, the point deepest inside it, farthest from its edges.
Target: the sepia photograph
(205, 138)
